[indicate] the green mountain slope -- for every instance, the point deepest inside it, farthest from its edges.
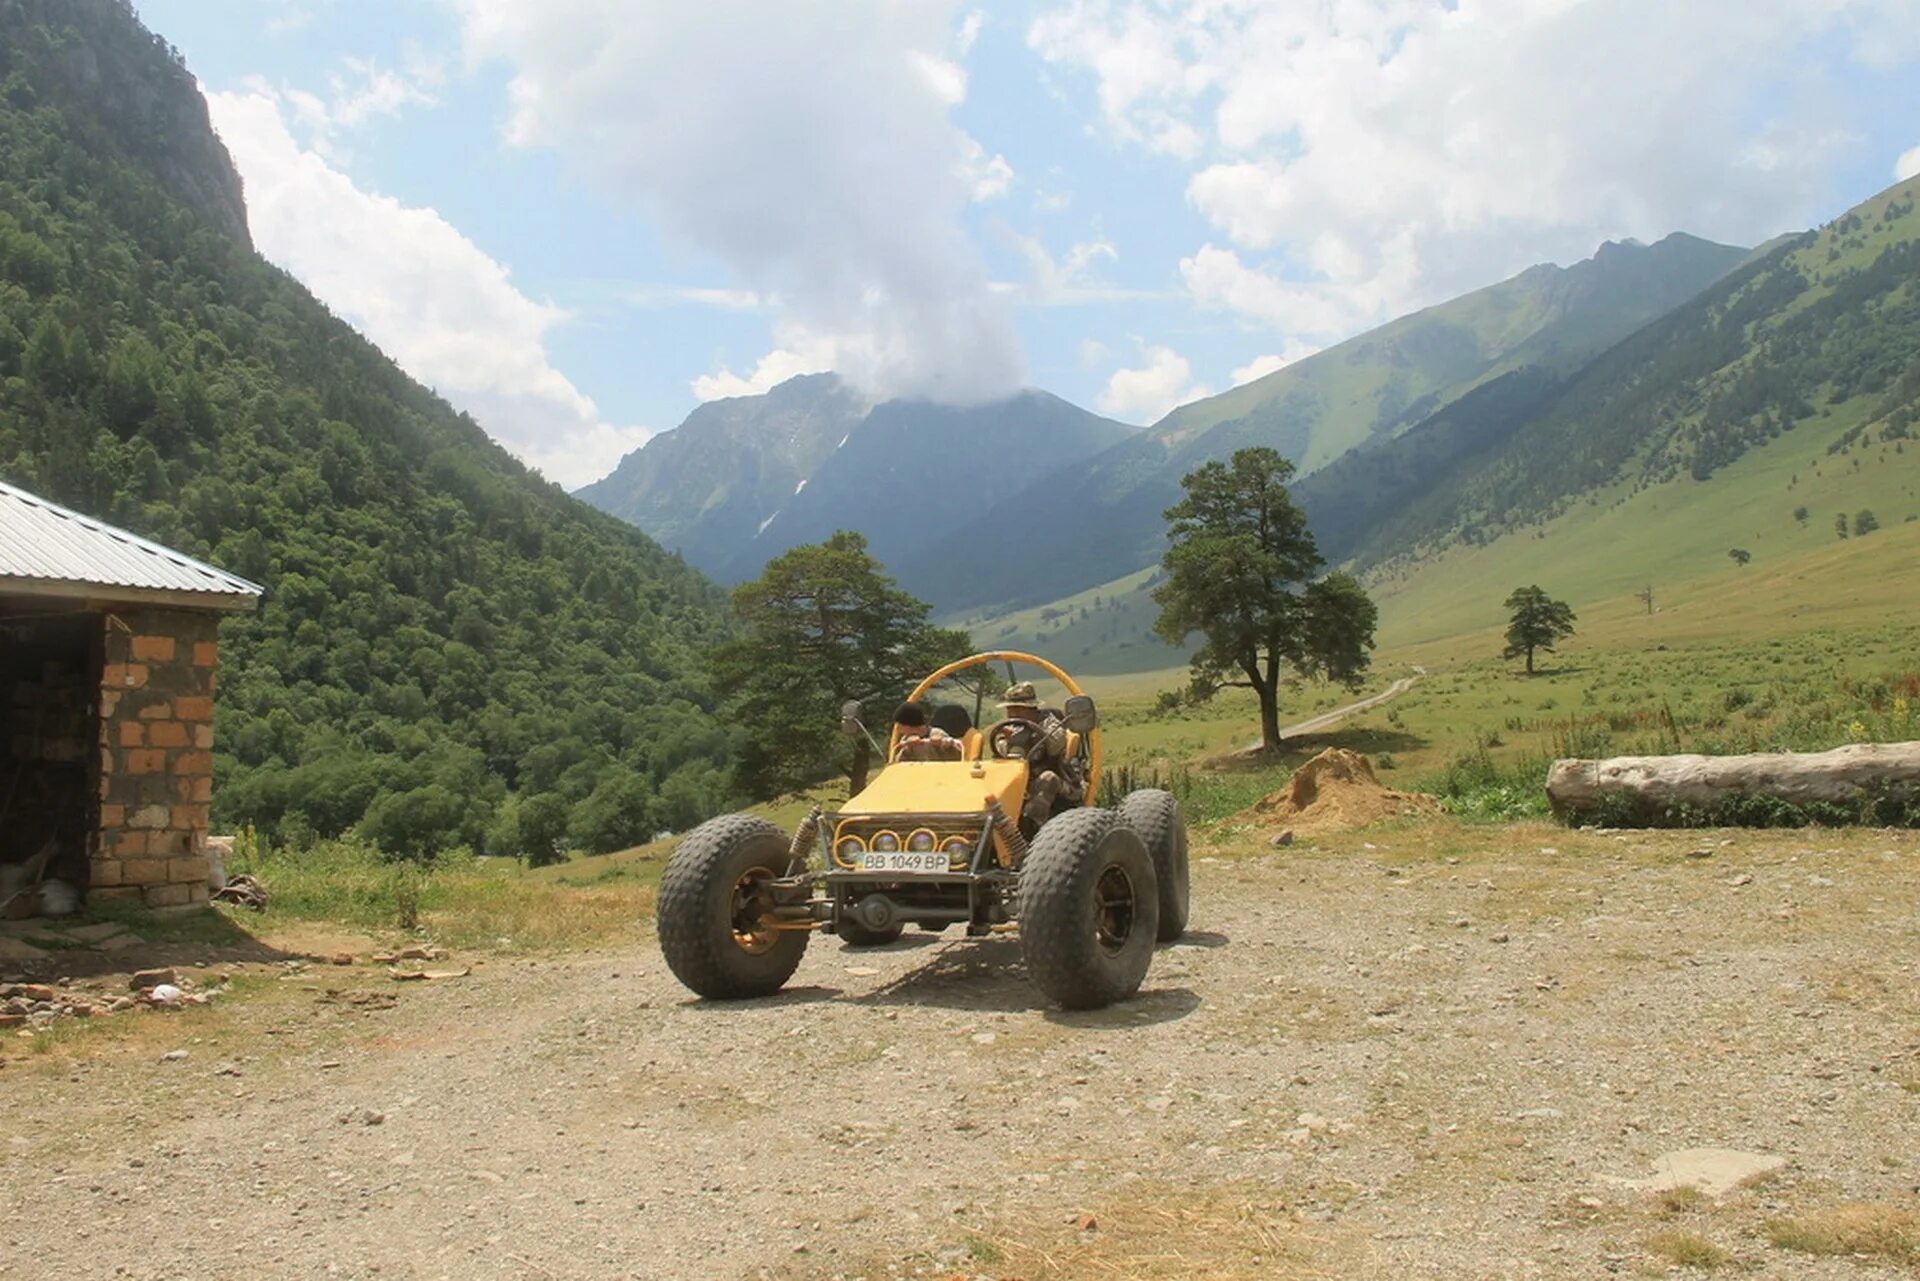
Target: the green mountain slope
(1546, 319)
(1815, 345)
(1755, 416)
(742, 480)
(442, 630)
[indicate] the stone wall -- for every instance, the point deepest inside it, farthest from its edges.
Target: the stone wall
(156, 757)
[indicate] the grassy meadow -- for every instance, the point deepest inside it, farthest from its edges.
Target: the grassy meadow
(1807, 647)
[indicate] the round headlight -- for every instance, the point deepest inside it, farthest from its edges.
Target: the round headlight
(850, 849)
(886, 842)
(957, 847)
(921, 842)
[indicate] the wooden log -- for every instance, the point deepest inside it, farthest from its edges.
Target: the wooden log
(1658, 784)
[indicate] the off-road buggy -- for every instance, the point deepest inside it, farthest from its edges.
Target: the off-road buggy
(937, 843)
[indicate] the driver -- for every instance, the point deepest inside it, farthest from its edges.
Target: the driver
(1056, 778)
(920, 741)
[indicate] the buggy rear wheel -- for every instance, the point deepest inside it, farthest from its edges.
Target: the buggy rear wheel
(1155, 814)
(1089, 909)
(713, 913)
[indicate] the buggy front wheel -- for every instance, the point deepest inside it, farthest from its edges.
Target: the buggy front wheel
(714, 910)
(1089, 909)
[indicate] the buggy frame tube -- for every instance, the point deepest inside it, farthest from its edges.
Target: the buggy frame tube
(921, 690)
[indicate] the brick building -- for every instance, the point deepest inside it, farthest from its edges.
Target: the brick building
(108, 650)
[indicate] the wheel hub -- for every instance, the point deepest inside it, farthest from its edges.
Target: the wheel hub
(1114, 897)
(752, 906)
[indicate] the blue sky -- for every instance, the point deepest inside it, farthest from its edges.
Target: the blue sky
(576, 218)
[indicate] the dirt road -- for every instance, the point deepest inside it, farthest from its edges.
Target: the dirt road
(1369, 1060)
(1327, 720)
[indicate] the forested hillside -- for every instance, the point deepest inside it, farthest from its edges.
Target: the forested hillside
(445, 637)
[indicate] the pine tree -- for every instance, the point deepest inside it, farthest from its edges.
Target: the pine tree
(823, 626)
(1240, 571)
(1538, 622)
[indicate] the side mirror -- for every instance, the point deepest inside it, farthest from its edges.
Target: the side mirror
(850, 718)
(1079, 715)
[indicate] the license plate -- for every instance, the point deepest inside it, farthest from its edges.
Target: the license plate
(903, 861)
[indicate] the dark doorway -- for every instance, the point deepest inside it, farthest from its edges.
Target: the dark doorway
(49, 748)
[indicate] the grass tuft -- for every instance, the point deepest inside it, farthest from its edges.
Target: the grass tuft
(1677, 1201)
(1688, 1249)
(1863, 1228)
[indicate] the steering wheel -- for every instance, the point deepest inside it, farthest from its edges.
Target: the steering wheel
(1011, 740)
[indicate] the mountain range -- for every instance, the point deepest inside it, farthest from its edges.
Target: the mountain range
(744, 479)
(1765, 413)
(1655, 389)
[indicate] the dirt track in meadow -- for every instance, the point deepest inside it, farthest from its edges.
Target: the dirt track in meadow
(1364, 1062)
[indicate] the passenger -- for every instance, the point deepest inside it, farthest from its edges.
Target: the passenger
(1056, 778)
(919, 741)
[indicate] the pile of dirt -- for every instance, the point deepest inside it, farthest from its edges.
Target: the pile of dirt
(1334, 791)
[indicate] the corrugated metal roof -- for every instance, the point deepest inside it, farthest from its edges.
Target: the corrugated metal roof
(47, 547)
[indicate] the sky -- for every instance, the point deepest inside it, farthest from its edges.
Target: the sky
(578, 219)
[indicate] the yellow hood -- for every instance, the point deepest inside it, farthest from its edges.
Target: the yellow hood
(941, 787)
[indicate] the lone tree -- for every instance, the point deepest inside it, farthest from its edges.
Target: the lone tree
(1538, 622)
(1240, 570)
(1840, 524)
(1865, 522)
(821, 627)
(1739, 555)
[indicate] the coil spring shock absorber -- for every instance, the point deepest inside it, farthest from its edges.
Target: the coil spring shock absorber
(1006, 832)
(804, 837)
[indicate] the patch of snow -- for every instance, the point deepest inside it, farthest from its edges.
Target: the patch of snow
(844, 439)
(797, 488)
(763, 525)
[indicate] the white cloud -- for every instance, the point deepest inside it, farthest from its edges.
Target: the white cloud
(652, 296)
(987, 177)
(1261, 366)
(969, 32)
(1049, 202)
(800, 353)
(427, 295)
(1144, 394)
(810, 147)
(1375, 155)
(1093, 352)
(1907, 166)
(1066, 278)
(289, 18)
(360, 92)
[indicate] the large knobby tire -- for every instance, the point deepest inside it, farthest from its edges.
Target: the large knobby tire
(1156, 816)
(1089, 908)
(854, 934)
(704, 916)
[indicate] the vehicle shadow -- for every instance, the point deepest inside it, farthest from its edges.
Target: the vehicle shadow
(912, 941)
(1148, 1006)
(807, 994)
(1208, 939)
(989, 976)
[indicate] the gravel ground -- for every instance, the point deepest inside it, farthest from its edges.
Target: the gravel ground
(1418, 1052)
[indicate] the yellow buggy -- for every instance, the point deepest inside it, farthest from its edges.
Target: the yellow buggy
(937, 843)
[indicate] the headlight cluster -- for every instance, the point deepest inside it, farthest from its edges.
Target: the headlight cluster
(848, 848)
